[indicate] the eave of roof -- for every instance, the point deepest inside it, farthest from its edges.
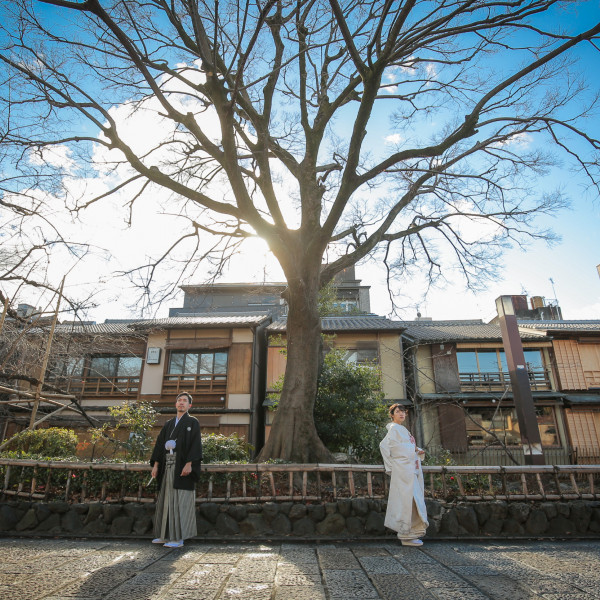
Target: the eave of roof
(346, 323)
(235, 286)
(205, 321)
(562, 327)
(96, 329)
(466, 396)
(431, 332)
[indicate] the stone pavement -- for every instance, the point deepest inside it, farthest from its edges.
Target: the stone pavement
(32, 569)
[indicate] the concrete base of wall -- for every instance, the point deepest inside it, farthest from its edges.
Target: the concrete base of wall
(357, 518)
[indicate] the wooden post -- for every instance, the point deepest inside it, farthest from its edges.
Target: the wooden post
(4, 311)
(38, 389)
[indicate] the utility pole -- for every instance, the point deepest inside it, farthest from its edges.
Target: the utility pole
(519, 379)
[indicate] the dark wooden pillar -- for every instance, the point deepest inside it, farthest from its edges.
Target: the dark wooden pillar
(519, 379)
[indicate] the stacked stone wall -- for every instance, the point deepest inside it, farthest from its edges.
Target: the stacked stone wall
(344, 519)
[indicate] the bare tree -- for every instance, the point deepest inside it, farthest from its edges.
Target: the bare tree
(268, 118)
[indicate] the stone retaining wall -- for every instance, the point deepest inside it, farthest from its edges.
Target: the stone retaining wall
(346, 518)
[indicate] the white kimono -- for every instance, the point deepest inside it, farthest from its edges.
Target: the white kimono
(406, 512)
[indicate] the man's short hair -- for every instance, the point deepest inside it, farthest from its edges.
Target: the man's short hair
(186, 394)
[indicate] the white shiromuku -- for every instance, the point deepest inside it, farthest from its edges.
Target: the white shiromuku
(406, 512)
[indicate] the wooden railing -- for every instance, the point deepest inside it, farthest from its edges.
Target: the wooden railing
(80, 482)
(100, 386)
(195, 384)
(539, 379)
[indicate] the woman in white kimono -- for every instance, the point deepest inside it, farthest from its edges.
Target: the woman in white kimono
(406, 512)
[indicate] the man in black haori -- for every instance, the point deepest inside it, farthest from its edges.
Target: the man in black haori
(175, 464)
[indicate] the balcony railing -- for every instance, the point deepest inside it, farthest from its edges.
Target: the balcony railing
(539, 379)
(99, 386)
(214, 385)
(80, 482)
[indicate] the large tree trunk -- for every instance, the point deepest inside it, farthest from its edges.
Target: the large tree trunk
(293, 434)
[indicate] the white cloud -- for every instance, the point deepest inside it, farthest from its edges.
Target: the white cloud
(394, 138)
(521, 139)
(56, 156)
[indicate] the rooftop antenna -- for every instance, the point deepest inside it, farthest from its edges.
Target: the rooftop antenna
(553, 290)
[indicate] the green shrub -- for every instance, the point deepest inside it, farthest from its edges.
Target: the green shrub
(218, 448)
(52, 442)
(350, 411)
(136, 417)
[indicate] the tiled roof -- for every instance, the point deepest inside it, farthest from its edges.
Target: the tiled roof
(592, 325)
(96, 328)
(350, 323)
(254, 285)
(206, 321)
(457, 331)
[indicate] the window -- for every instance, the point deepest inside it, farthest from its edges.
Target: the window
(114, 366)
(65, 367)
(485, 426)
(363, 356)
(203, 364)
(494, 361)
(347, 306)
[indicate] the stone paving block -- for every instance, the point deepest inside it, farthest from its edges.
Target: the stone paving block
(549, 585)
(473, 571)
(147, 578)
(346, 584)
(196, 594)
(97, 583)
(287, 578)
(300, 593)
(464, 593)
(255, 572)
(382, 565)
(574, 596)
(137, 592)
(501, 587)
(12, 594)
(308, 556)
(433, 576)
(413, 555)
(248, 591)
(300, 568)
(169, 566)
(447, 555)
(337, 558)
(369, 550)
(221, 557)
(392, 587)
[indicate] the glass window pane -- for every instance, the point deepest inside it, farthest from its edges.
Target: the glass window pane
(191, 363)
(368, 356)
(176, 362)
(351, 356)
(129, 366)
(533, 359)
(503, 361)
(220, 363)
(206, 364)
(467, 362)
(103, 366)
(547, 424)
(488, 425)
(488, 362)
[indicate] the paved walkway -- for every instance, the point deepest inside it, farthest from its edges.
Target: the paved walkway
(32, 569)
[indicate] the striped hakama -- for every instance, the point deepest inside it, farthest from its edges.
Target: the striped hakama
(175, 517)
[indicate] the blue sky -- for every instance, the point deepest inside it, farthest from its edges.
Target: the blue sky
(571, 263)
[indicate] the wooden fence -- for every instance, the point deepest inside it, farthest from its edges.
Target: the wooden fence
(115, 482)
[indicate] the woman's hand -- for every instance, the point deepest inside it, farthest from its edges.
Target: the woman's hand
(420, 452)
